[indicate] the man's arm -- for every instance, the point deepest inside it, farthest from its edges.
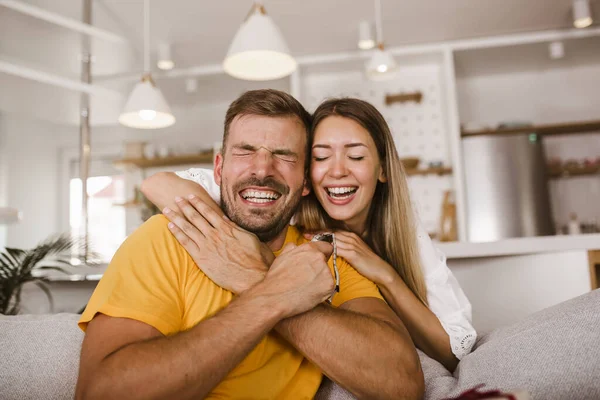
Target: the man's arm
(362, 346)
(125, 358)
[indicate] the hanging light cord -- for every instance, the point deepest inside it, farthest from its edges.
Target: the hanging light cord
(147, 37)
(378, 22)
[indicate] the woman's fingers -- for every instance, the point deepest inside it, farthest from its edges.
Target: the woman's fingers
(183, 239)
(209, 214)
(193, 216)
(183, 224)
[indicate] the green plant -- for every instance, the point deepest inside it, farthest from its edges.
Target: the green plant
(17, 267)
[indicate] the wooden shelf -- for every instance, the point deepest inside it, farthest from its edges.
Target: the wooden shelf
(554, 129)
(574, 173)
(203, 158)
(429, 171)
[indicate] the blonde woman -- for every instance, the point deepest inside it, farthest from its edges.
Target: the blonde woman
(359, 189)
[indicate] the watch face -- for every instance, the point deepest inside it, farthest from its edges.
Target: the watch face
(330, 238)
(324, 237)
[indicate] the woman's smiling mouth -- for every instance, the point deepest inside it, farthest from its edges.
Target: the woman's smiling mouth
(341, 195)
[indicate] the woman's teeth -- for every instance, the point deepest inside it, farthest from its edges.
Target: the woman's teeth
(341, 192)
(255, 196)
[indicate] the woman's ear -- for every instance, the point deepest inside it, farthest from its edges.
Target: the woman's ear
(307, 187)
(382, 178)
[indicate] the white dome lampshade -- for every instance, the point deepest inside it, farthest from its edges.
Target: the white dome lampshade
(381, 65)
(258, 51)
(146, 107)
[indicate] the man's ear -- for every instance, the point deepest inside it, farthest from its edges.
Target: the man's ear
(307, 188)
(218, 168)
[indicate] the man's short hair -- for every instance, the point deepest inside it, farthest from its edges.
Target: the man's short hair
(270, 103)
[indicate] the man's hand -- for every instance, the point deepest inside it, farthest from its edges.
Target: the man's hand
(230, 256)
(300, 277)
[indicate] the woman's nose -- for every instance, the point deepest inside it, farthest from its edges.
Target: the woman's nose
(338, 169)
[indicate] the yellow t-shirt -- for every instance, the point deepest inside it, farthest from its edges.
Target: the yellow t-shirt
(154, 280)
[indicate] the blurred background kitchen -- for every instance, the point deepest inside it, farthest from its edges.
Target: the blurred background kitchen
(494, 106)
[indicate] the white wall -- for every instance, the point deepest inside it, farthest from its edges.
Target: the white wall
(3, 181)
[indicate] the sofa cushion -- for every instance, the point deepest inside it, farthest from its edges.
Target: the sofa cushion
(40, 356)
(553, 354)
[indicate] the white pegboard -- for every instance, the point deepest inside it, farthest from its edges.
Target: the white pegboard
(419, 130)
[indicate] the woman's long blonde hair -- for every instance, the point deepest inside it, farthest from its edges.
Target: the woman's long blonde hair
(391, 229)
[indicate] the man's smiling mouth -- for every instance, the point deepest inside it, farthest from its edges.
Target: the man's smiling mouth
(259, 196)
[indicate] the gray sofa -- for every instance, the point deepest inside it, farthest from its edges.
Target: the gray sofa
(552, 355)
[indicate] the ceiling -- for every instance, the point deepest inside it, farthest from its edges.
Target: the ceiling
(200, 32)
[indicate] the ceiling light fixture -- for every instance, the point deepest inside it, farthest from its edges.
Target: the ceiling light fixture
(146, 107)
(582, 14)
(365, 36)
(381, 65)
(258, 51)
(165, 61)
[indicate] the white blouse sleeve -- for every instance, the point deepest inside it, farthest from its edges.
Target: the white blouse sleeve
(445, 296)
(205, 178)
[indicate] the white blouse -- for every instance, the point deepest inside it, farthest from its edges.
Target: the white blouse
(445, 296)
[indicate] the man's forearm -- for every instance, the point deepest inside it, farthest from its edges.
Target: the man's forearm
(187, 365)
(369, 357)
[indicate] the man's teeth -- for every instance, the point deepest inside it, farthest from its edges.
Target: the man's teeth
(342, 192)
(256, 196)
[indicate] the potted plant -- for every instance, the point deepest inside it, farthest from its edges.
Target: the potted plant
(17, 267)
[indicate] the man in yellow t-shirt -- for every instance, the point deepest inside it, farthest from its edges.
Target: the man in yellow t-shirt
(158, 327)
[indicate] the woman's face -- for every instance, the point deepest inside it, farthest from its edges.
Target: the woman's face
(345, 169)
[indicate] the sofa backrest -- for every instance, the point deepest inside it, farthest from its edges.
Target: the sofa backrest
(40, 356)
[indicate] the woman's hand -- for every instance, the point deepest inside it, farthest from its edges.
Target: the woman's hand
(352, 248)
(230, 256)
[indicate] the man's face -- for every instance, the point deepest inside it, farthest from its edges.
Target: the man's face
(261, 173)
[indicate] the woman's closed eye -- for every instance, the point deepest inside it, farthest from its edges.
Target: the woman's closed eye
(356, 158)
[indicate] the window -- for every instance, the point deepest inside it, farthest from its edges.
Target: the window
(106, 220)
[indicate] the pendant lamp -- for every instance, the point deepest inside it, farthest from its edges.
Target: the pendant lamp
(258, 51)
(146, 107)
(381, 65)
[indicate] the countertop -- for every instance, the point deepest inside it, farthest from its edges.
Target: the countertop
(520, 246)
(453, 250)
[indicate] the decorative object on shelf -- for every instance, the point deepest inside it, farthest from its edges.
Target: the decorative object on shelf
(448, 230)
(556, 168)
(573, 228)
(410, 162)
(365, 36)
(146, 107)
(381, 65)
(258, 51)
(582, 14)
(416, 97)
(10, 215)
(134, 149)
(17, 267)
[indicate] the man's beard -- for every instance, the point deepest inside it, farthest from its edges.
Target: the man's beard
(270, 225)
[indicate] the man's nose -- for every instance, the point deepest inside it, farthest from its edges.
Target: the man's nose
(339, 169)
(263, 163)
